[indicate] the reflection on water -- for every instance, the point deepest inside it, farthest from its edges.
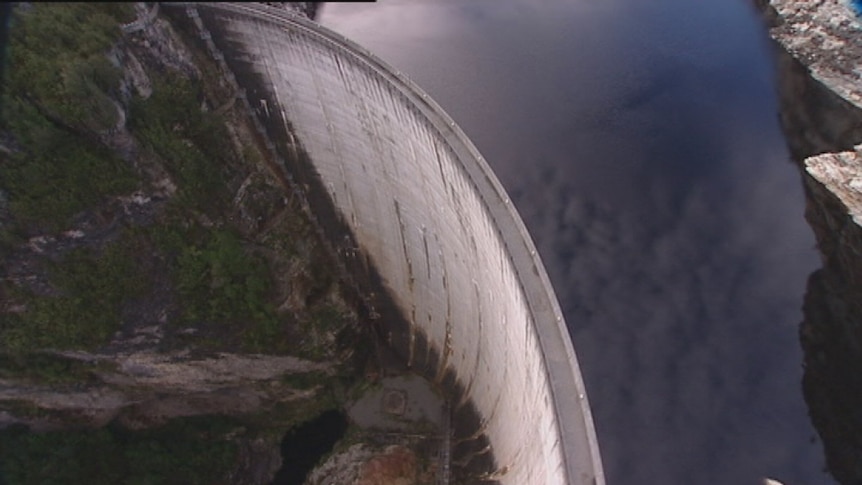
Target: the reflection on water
(640, 142)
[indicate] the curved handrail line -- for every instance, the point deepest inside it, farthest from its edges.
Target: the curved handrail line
(554, 339)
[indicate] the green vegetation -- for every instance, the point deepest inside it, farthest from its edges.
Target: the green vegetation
(193, 144)
(226, 290)
(60, 173)
(190, 450)
(308, 380)
(87, 313)
(56, 98)
(48, 368)
(58, 53)
(318, 333)
(219, 281)
(58, 104)
(224, 287)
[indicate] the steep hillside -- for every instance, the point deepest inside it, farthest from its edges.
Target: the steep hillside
(168, 309)
(818, 48)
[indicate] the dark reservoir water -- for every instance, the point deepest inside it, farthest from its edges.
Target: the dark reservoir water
(640, 142)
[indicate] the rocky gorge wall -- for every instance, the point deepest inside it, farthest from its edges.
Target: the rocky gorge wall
(107, 347)
(818, 50)
(455, 283)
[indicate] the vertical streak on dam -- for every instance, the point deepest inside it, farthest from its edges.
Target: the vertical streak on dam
(475, 309)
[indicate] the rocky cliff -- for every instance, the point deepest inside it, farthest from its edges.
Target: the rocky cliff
(168, 308)
(818, 49)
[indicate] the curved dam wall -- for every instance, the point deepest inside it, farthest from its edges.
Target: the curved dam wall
(419, 217)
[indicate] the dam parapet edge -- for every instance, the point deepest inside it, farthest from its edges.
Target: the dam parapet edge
(448, 249)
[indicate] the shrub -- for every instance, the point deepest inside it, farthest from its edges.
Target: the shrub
(59, 174)
(57, 57)
(193, 144)
(184, 451)
(58, 80)
(88, 311)
(219, 282)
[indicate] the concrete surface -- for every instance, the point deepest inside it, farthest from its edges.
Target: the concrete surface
(398, 404)
(426, 221)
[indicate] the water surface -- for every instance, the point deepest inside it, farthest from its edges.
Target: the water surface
(639, 140)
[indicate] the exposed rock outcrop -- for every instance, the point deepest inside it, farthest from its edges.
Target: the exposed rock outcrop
(184, 320)
(268, 342)
(362, 464)
(819, 46)
(146, 389)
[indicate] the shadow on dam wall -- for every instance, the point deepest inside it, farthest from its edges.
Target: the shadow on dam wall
(440, 263)
(368, 292)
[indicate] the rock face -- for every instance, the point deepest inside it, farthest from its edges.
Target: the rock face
(170, 309)
(143, 389)
(365, 465)
(192, 305)
(820, 84)
(155, 351)
(820, 89)
(831, 336)
(842, 174)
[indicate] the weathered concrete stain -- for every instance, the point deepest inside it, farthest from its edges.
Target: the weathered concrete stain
(454, 282)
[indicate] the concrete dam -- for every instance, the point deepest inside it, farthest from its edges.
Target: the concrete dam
(446, 265)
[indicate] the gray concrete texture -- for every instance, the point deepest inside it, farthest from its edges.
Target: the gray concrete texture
(427, 213)
(401, 403)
